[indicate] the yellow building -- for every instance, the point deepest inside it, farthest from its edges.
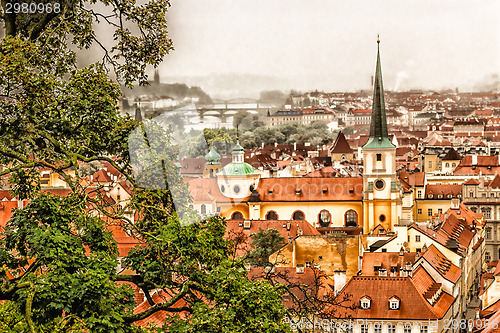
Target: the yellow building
(352, 205)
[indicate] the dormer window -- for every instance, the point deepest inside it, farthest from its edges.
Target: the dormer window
(365, 302)
(379, 157)
(430, 196)
(394, 303)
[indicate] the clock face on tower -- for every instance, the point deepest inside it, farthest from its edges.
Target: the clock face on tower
(379, 184)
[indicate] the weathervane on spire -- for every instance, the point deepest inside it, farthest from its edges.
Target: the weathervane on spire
(237, 135)
(378, 38)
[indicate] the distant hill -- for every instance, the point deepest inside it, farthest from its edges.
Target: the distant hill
(177, 91)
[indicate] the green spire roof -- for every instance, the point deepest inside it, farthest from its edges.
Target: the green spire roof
(378, 127)
(212, 157)
(238, 148)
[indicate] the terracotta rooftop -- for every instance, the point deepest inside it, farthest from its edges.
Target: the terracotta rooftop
(310, 189)
(316, 281)
(341, 146)
(413, 305)
(452, 155)
(192, 166)
(443, 266)
(443, 191)
(386, 260)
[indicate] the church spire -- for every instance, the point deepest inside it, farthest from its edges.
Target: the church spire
(379, 137)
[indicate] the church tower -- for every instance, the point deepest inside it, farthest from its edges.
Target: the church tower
(381, 188)
(212, 163)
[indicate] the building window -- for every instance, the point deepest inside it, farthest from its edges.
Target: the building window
(488, 233)
(222, 189)
(237, 216)
(379, 184)
(391, 328)
(271, 215)
(423, 329)
(486, 212)
(377, 327)
(419, 211)
(351, 218)
(324, 218)
(394, 303)
(429, 212)
(419, 194)
(471, 194)
(365, 302)
(364, 328)
(298, 215)
(430, 164)
(407, 328)
(417, 238)
(236, 189)
(447, 165)
(453, 165)
(381, 217)
(379, 157)
(487, 257)
(203, 209)
(440, 210)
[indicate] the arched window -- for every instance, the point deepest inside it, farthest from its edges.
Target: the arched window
(237, 216)
(211, 173)
(298, 215)
(203, 209)
(447, 165)
(324, 218)
(453, 165)
(271, 215)
(351, 218)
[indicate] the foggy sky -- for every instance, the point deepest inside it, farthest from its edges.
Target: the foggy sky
(331, 45)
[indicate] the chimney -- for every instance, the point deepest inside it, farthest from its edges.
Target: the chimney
(339, 278)
(294, 146)
(474, 159)
(300, 269)
(481, 182)
(408, 266)
(455, 204)
(275, 144)
(477, 309)
(288, 226)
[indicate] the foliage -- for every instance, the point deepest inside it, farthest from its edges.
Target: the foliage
(264, 243)
(58, 258)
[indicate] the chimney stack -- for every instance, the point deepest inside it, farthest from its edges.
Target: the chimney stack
(339, 278)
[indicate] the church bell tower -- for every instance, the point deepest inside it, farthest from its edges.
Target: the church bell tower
(381, 188)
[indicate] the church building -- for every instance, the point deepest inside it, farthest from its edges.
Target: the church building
(330, 204)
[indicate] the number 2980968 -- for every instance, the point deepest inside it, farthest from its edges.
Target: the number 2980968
(32, 7)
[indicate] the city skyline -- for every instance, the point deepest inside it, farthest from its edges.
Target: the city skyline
(229, 47)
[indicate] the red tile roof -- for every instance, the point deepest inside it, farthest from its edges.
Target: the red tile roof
(443, 191)
(341, 146)
(315, 281)
(413, 305)
(443, 266)
(310, 189)
(385, 260)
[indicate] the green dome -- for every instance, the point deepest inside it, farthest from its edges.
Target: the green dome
(238, 169)
(212, 157)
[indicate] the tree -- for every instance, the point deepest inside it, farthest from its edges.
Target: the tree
(58, 257)
(264, 243)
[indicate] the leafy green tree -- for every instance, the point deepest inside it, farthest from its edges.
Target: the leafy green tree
(264, 243)
(58, 258)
